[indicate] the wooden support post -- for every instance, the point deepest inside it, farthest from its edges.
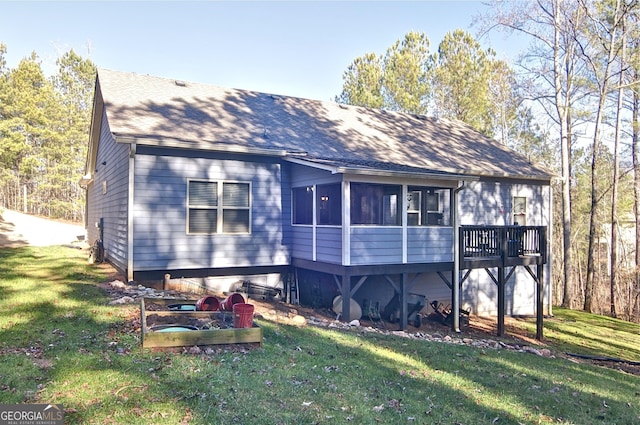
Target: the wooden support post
(501, 285)
(539, 302)
(346, 297)
(404, 310)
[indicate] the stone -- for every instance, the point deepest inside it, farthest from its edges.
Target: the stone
(118, 284)
(122, 300)
(298, 320)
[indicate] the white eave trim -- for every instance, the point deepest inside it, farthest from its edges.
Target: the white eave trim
(330, 168)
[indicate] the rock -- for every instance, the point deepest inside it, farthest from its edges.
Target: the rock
(531, 350)
(123, 300)
(545, 352)
(355, 322)
(118, 284)
(467, 340)
(195, 350)
(298, 320)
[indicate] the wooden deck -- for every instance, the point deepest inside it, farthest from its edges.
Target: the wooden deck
(496, 246)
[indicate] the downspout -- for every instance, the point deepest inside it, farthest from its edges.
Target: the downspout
(132, 154)
(456, 260)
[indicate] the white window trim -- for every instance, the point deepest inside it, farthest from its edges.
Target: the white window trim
(220, 207)
(517, 213)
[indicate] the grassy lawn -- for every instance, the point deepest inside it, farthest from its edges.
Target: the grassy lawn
(60, 342)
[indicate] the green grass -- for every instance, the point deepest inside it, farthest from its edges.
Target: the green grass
(61, 343)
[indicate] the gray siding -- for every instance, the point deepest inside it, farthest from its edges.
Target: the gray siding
(302, 246)
(160, 228)
(429, 244)
(286, 205)
(376, 245)
(329, 244)
(483, 203)
(306, 176)
(486, 203)
(112, 205)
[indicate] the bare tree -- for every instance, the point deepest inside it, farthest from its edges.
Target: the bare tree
(635, 146)
(606, 33)
(634, 71)
(550, 66)
(613, 266)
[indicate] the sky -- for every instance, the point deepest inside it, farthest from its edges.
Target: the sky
(291, 48)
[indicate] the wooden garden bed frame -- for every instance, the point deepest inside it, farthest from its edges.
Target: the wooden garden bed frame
(190, 338)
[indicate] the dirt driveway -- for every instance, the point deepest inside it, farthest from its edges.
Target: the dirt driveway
(17, 229)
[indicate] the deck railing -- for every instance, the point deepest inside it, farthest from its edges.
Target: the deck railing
(502, 241)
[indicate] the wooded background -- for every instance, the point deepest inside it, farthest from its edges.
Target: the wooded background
(570, 103)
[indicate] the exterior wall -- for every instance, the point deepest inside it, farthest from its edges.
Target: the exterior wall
(329, 244)
(160, 212)
(302, 245)
(107, 198)
(489, 203)
(429, 244)
(376, 245)
(307, 176)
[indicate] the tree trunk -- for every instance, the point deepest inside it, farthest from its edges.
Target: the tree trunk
(563, 109)
(594, 222)
(635, 149)
(613, 284)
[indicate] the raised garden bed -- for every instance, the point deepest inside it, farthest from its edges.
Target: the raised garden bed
(182, 325)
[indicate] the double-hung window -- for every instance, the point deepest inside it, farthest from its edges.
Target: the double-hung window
(520, 210)
(218, 207)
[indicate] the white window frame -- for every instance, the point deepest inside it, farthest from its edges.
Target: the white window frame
(410, 200)
(520, 210)
(220, 208)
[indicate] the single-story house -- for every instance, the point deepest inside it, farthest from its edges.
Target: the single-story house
(224, 185)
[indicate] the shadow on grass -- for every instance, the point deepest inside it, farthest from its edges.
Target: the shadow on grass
(585, 333)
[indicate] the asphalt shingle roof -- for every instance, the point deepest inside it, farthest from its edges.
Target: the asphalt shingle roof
(200, 116)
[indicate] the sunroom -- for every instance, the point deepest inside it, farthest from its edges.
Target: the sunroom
(366, 223)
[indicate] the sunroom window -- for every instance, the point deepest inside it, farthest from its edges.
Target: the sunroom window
(375, 204)
(303, 205)
(328, 204)
(218, 207)
(428, 206)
